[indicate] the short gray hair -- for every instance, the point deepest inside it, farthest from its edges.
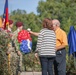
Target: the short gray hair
(56, 22)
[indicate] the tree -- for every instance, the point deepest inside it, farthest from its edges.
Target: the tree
(62, 10)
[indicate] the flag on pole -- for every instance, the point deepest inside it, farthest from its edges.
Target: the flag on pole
(5, 15)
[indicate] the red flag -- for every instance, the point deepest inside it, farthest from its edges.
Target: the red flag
(5, 15)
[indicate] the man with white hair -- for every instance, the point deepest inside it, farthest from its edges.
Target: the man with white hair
(61, 43)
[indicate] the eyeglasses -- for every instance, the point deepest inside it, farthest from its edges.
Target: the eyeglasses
(55, 24)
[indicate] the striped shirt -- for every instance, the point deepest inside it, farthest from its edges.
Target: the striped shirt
(46, 43)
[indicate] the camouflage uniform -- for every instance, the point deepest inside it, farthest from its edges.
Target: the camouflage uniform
(16, 45)
(12, 58)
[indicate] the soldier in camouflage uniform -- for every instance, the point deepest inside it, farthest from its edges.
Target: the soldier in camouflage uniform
(19, 26)
(12, 54)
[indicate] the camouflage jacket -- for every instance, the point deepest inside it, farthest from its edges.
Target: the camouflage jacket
(15, 41)
(5, 40)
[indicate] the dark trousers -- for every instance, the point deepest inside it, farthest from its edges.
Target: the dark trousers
(47, 65)
(60, 62)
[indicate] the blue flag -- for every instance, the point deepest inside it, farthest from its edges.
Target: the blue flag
(72, 40)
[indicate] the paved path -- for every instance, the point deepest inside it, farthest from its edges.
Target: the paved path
(31, 73)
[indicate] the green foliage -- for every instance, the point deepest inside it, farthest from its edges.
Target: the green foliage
(31, 63)
(63, 10)
(4, 40)
(71, 66)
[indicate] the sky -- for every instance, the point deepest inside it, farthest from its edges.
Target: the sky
(27, 5)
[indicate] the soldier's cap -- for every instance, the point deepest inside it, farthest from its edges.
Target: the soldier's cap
(10, 22)
(19, 24)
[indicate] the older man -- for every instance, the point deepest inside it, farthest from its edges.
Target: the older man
(61, 43)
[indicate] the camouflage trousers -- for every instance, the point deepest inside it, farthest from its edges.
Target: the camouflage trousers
(15, 64)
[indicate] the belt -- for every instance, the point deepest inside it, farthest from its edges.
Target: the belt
(59, 52)
(61, 49)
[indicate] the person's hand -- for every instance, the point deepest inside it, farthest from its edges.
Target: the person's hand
(36, 55)
(19, 53)
(30, 32)
(8, 52)
(29, 29)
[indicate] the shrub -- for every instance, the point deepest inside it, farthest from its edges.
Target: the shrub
(4, 40)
